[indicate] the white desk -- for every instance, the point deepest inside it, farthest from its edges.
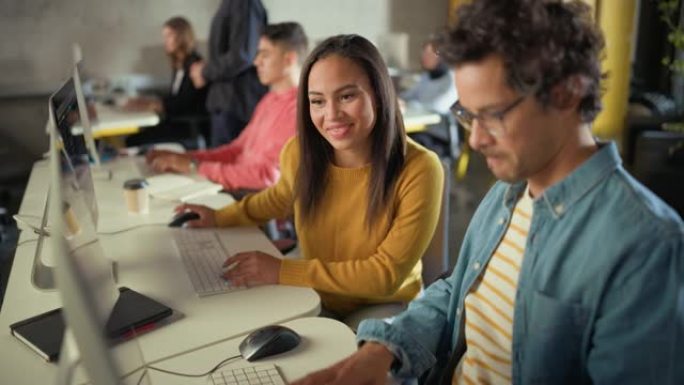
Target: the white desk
(115, 121)
(324, 342)
(112, 121)
(109, 193)
(417, 118)
(148, 263)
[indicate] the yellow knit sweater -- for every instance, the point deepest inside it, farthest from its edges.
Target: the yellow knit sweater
(345, 262)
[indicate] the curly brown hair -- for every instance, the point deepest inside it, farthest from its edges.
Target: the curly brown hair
(542, 43)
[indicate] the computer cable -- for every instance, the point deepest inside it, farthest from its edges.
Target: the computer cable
(45, 231)
(26, 241)
(212, 370)
(131, 228)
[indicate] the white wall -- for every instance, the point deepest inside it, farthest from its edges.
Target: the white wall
(321, 19)
(117, 37)
(123, 36)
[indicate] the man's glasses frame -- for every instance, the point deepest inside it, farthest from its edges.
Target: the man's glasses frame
(491, 122)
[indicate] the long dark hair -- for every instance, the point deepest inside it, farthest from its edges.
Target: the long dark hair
(388, 137)
(186, 40)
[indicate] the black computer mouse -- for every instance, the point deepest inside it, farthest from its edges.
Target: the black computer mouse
(268, 341)
(183, 217)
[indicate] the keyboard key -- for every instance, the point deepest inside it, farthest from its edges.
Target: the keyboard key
(252, 375)
(203, 256)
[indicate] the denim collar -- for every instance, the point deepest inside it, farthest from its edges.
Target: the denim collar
(562, 195)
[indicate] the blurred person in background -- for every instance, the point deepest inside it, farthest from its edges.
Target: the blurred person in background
(183, 99)
(231, 78)
(251, 160)
(435, 89)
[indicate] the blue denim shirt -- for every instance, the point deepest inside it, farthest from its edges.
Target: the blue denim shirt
(600, 297)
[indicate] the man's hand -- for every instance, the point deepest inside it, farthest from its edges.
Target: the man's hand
(196, 76)
(172, 162)
(252, 268)
(368, 366)
(144, 103)
(151, 154)
(206, 214)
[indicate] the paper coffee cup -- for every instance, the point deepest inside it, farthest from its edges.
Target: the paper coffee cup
(72, 226)
(137, 196)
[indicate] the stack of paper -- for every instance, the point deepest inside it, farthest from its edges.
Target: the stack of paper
(179, 187)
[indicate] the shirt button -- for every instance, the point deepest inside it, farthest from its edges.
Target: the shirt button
(458, 311)
(476, 266)
(559, 208)
(502, 220)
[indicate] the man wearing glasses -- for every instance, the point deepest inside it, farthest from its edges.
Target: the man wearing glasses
(571, 272)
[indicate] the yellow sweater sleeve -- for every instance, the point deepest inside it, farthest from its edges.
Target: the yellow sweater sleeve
(381, 274)
(273, 202)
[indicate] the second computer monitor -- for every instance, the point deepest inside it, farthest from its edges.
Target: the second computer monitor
(65, 114)
(87, 118)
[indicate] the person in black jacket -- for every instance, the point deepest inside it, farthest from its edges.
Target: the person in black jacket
(184, 99)
(234, 88)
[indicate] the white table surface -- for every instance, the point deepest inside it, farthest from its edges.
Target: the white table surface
(111, 117)
(149, 263)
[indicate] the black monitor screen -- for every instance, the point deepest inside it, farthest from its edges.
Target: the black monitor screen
(67, 116)
(74, 154)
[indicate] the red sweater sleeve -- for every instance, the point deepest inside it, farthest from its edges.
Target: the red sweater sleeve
(254, 157)
(226, 153)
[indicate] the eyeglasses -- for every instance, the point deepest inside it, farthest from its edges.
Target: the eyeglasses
(492, 122)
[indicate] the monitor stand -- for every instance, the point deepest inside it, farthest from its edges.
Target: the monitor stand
(42, 274)
(69, 358)
(43, 270)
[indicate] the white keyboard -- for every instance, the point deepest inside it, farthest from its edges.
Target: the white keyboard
(203, 257)
(251, 375)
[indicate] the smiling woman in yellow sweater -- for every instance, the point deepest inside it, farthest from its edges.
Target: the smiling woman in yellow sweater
(365, 199)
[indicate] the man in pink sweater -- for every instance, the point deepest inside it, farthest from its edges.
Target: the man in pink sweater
(251, 160)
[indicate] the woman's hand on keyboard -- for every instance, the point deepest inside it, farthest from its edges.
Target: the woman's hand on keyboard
(252, 268)
(206, 214)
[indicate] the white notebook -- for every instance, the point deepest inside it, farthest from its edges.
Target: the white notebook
(179, 187)
(213, 201)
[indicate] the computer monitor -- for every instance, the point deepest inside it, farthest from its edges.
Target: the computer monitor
(94, 309)
(65, 113)
(87, 119)
(84, 282)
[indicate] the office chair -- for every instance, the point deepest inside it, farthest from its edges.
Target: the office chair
(435, 261)
(659, 165)
(197, 128)
(190, 131)
(442, 138)
(448, 139)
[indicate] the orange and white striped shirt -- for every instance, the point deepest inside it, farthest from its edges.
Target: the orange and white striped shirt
(489, 307)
